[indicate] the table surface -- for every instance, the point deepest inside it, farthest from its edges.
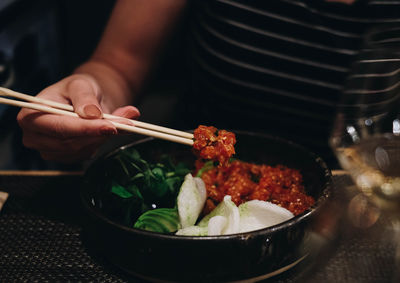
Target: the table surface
(41, 229)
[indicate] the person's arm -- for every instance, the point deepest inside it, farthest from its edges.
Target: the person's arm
(130, 45)
(107, 82)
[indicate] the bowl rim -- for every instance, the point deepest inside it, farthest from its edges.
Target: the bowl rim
(326, 194)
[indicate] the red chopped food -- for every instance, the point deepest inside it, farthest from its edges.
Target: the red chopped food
(245, 181)
(213, 144)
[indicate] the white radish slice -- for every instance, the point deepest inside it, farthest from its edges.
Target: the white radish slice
(258, 214)
(191, 199)
(192, 231)
(230, 211)
(216, 225)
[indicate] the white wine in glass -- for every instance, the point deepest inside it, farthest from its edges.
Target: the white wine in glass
(374, 164)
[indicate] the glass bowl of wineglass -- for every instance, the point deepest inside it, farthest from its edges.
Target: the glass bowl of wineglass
(366, 132)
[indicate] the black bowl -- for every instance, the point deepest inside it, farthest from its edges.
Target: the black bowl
(256, 254)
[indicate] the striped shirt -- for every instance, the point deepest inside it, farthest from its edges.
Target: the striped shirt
(278, 66)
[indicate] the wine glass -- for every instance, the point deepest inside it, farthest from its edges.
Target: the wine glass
(366, 132)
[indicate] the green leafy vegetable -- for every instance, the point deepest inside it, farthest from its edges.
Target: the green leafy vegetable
(137, 185)
(120, 191)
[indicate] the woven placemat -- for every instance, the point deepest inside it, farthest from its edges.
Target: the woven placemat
(40, 233)
(41, 239)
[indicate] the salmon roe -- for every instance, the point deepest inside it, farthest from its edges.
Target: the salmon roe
(245, 181)
(213, 144)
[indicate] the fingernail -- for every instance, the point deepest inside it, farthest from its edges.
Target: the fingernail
(92, 111)
(108, 131)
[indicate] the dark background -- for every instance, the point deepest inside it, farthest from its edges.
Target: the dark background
(42, 41)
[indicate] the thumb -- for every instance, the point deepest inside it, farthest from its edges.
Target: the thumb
(84, 96)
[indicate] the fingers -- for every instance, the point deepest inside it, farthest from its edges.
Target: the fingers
(71, 139)
(64, 139)
(129, 112)
(84, 95)
(64, 126)
(67, 149)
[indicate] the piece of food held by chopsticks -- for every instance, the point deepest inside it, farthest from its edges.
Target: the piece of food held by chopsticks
(213, 144)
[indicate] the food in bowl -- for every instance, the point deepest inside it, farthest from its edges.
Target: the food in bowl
(220, 196)
(254, 255)
(245, 181)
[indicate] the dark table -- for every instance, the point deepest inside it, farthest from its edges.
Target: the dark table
(41, 236)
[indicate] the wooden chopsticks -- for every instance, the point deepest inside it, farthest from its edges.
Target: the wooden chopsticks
(53, 107)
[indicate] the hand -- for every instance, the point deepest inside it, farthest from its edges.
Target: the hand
(68, 139)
